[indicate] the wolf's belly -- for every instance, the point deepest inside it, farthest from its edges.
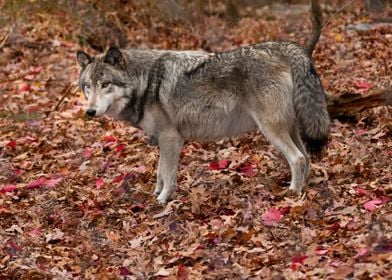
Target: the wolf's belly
(213, 124)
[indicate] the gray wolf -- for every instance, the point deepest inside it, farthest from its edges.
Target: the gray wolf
(176, 96)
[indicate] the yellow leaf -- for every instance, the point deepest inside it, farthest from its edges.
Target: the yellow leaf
(339, 38)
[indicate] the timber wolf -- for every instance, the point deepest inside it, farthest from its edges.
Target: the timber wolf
(176, 96)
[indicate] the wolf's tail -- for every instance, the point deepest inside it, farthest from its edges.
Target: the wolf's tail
(310, 102)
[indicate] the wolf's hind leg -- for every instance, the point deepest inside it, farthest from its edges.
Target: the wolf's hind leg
(277, 130)
(296, 136)
(170, 144)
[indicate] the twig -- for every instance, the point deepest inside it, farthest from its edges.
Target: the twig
(337, 12)
(65, 92)
(4, 40)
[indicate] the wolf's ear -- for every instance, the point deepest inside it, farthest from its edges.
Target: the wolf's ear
(83, 58)
(114, 57)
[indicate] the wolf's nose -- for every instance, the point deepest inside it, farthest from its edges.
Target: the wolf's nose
(90, 112)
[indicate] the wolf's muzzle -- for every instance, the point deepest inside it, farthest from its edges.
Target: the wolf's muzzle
(91, 112)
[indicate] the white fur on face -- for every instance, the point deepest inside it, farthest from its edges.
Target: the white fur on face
(99, 102)
(110, 103)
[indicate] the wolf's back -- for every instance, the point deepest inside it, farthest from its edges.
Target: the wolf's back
(310, 100)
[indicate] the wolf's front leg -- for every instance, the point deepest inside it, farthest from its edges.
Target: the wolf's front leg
(170, 144)
(159, 185)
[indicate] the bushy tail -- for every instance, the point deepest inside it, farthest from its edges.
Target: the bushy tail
(310, 102)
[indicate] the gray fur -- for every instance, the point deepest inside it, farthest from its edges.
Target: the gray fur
(176, 96)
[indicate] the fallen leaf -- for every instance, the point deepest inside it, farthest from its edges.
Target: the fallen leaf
(320, 251)
(363, 86)
(371, 205)
(99, 182)
(118, 178)
(119, 148)
(362, 252)
(248, 170)
(124, 271)
(140, 169)
(11, 144)
(299, 259)
(163, 272)
(35, 231)
(224, 163)
(51, 183)
(54, 236)
(182, 272)
(37, 183)
(109, 138)
(87, 153)
(272, 217)
(24, 88)
(213, 166)
(8, 188)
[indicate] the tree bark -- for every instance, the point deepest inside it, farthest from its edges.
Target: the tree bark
(351, 104)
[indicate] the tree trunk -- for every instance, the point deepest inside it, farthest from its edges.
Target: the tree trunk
(350, 104)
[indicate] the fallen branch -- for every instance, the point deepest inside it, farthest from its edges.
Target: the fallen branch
(5, 38)
(350, 104)
(65, 92)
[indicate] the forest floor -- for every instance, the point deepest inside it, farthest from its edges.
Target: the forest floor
(76, 196)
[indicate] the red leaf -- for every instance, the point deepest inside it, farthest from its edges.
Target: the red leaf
(109, 138)
(248, 170)
(372, 204)
(361, 131)
(320, 251)
(335, 226)
(224, 163)
(124, 271)
(119, 178)
(53, 182)
(18, 171)
(285, 210)
(119, 148)
(24, 88)
(362, 252)
(37, 183)
(11, 144)
(213, 166)
(363, 86)
(361, 192)
(8, 188)
(272, 217)
(15, 247)
(384, 199)
(87, 153)
(140, 169)
(182, 272)
(36, 70)
(35, 231)
(99, 182)
(297, 259)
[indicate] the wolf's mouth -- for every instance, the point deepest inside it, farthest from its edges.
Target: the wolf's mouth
(107, 110)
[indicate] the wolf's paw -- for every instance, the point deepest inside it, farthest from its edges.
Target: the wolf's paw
(295, 189)
(163, 197)
(158, 189)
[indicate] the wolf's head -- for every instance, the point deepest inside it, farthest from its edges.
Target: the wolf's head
(105, 82)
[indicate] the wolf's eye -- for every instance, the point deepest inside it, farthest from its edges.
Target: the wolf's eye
(87, 86)
(104, 85)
